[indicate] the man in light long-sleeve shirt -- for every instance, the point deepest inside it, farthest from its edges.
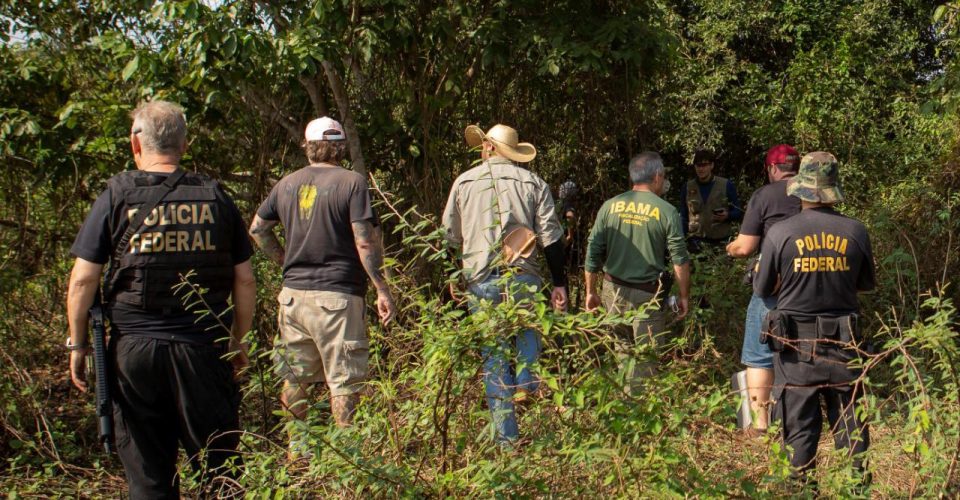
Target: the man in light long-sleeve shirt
(497, 215)
(628, 243)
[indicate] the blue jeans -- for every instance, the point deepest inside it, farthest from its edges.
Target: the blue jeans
(754, 353)
(501, 376)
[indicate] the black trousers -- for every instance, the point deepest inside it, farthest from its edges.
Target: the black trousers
(801, 387)
(168, 393)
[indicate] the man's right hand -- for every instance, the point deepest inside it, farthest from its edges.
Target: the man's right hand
(593, 302)
(386, 308)
(78, 368)
(683, 307)
(559, 298)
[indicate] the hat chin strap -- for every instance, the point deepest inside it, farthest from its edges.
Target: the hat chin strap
(496, 143)
(500, 147)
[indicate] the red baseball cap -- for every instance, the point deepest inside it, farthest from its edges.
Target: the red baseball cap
(783, 154)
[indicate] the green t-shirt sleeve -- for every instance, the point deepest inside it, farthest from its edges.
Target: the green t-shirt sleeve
(597, 242)
(675, 240)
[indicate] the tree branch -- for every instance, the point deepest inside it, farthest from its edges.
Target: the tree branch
(312, 86)
(18, 226)
(343, 104)
(272, 114)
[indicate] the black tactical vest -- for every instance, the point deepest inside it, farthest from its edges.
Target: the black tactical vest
(188, 232)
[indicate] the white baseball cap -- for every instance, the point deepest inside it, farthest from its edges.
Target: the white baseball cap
(324, 129)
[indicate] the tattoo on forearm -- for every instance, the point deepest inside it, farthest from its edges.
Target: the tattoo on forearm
(263, 235)
(370, 249)
(270, 246)
(373, 263)
(362, 231)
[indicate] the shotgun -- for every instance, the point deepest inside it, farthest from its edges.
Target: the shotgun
(104, 402)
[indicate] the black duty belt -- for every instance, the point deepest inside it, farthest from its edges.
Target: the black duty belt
(649, 286)
(804, 332)
(205, 338)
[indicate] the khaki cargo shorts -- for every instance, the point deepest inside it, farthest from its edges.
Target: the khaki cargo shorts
(323, 337)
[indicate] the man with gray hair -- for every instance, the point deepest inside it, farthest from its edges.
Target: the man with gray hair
(158, 226)
(628, 243)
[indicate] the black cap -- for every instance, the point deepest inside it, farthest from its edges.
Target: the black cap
(703, 156)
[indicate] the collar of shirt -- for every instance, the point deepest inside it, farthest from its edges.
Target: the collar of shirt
(499, 160)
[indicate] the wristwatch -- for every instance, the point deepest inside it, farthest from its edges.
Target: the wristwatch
(73, 347)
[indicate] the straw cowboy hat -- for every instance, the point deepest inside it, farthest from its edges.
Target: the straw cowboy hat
(504, 139)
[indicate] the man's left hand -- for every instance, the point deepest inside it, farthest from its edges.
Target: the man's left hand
(238, 357)
(386, 308)
(721, 216)
(559, 298)
(78, 368)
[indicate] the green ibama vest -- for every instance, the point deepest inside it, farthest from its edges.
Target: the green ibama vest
(701, 223)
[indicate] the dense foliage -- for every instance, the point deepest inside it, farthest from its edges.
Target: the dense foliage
(876, 82)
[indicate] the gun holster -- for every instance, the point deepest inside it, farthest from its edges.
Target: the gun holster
(775, 330)
(751, 268)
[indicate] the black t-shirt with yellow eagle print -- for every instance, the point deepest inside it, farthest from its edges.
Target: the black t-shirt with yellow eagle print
(316, 206)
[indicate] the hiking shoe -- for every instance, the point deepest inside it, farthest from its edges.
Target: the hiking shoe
(522, 397)
(525, 397)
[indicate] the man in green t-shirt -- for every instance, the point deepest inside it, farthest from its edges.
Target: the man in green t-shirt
(628, 243)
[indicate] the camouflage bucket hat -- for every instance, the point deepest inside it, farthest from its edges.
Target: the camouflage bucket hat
(818, 180)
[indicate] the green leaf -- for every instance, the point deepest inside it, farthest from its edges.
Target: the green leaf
(212, 97)
(939, 12)
(131, 68)
(230, 46)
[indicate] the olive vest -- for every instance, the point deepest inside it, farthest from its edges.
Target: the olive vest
(701, 223)
(185, 234)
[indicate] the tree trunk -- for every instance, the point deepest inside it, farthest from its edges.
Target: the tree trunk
(312, 86)
(343, 104)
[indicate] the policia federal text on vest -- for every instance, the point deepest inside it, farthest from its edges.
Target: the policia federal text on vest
(179, 234)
